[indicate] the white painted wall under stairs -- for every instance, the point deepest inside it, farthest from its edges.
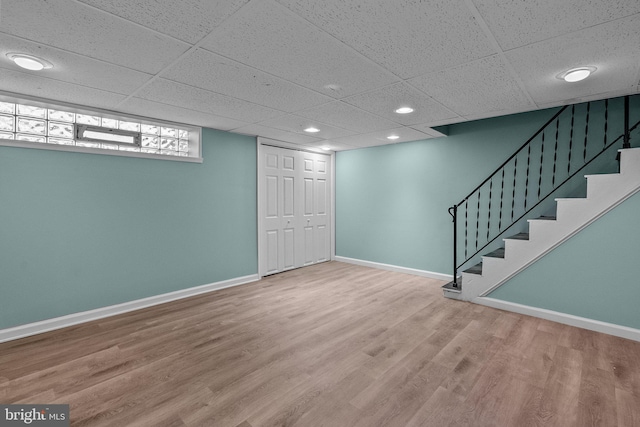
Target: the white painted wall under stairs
(604, 192)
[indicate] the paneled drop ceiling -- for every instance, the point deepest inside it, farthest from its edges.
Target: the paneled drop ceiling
(275, 67)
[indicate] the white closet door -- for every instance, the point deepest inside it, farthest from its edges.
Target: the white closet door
(295, 209)
(315, 208)
(279, 210)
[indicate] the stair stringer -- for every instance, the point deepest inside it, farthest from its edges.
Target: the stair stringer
(604, 193)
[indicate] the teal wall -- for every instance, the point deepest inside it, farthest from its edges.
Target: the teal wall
(392, 200)
(591, 275)
(83, 231)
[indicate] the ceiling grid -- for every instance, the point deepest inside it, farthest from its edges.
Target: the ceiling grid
(273, 68)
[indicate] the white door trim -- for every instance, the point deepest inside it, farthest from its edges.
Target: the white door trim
(260, 143)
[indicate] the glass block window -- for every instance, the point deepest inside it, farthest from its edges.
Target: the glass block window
(24, 122)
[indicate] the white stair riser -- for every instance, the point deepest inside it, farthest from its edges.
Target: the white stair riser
(472, 286)
(452, 295)
(514, 246)
(630, 161)
(598, 185)
(571, 209)
(492, 263)
(540, 228)
(526, 249)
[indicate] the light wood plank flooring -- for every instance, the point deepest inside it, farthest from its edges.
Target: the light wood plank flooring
(329, 345)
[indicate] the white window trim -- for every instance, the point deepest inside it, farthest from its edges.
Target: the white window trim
(195, 132)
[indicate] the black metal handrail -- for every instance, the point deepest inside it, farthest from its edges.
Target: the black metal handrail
(562, 150)
(555, 116)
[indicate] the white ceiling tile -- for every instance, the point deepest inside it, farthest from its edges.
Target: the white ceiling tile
(73, 68)
(213, 72)
(359, 141)
(405, 134)
(485, 85)
(189, 20)
(55, 90)
(614, 48)
(332, 145)
(269, 37)
(408, 37)
(518, 23)
(146, 108)
(297, 124)
(385, 101)
(346, 116)
(75, 27)
(180, 95)
(581, 99)
(277, 134)
(488, 114)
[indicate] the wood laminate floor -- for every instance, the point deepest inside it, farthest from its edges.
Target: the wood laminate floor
(329, 345)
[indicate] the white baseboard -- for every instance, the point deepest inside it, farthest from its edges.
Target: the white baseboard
(100, 313)
(397, 269)
(567, 319)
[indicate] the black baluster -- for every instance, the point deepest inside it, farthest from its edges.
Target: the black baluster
(489, 215)
(526, 184)
(478, 219)
(606, 122)
(573, 108)
(466, 228)
(513, 192)
(501, 198)
(541, 162)
(555, 154)
(627, 133)
(586, 133)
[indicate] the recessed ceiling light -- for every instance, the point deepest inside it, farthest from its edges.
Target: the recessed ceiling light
(333, 87)
(404, 110)
(393, 137)
(576, 74)
(311, 129)
(29, 62)
(326, 148)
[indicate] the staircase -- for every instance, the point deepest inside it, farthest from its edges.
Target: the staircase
(604, 192)
(513, 205)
